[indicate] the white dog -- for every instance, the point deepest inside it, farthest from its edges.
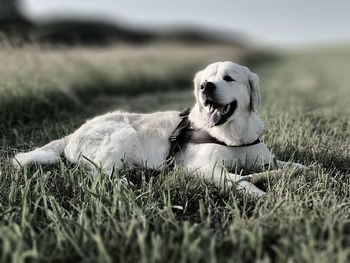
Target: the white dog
(220, 134)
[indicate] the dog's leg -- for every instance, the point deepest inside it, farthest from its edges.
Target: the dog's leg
(282, 164)
(257, 177)
(225, 180)
(278, 170)
(244, 183)
(49, 153)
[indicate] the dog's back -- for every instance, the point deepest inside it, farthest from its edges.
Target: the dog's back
(110, 139)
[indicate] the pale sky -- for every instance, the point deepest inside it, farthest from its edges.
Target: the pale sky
(279, 22)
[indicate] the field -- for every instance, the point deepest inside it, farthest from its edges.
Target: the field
(60, 213)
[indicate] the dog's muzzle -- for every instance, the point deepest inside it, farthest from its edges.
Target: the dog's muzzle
(208, 90)
(218, 114)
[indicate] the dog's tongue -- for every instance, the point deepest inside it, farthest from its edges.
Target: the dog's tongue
(214, 118)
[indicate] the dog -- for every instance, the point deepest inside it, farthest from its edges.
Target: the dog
(220, 134)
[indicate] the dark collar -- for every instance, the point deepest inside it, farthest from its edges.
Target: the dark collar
(184, 134)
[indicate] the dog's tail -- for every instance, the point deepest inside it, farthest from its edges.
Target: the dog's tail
(49, 153)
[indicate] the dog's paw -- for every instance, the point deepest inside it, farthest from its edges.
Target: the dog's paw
(38, 156)
(250, 188)
(20, 160)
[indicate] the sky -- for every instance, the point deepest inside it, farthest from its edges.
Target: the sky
(279, 22)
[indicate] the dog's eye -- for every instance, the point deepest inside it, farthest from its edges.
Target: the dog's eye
(228, 78)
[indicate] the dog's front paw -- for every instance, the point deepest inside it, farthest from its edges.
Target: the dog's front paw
(250, 188)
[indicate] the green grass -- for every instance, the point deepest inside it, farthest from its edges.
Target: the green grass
(60, 213)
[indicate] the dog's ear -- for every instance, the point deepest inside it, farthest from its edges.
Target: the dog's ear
(254, 91)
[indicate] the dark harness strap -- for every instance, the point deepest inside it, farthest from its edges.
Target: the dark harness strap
(184, 133)
(176, 138)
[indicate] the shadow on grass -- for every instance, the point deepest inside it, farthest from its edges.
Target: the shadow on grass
(332, 162)
(35, 107)
(326, 145)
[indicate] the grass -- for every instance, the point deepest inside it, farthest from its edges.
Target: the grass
(60, 213)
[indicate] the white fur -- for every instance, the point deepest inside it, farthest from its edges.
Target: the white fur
(143, 139)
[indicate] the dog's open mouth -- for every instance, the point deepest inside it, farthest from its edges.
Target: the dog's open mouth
(218, 114)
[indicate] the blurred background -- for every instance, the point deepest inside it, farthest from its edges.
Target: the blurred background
(107, 21)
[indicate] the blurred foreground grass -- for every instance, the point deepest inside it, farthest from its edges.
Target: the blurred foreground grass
(60, 213)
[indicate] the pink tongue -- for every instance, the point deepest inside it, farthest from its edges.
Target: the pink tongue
(214, 118)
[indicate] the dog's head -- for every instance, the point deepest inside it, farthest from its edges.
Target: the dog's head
(225, 89)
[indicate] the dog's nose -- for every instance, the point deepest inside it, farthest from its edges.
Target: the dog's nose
(208, 87)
